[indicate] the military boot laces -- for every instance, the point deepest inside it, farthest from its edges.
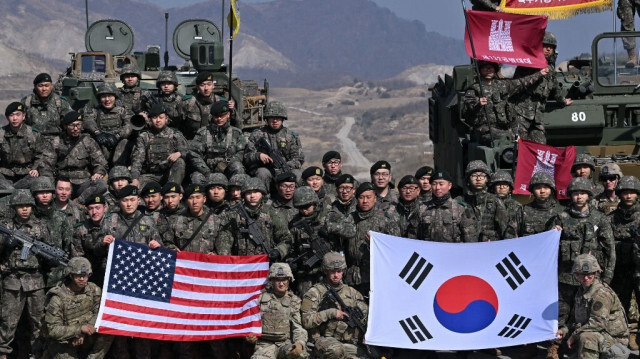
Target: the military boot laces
(552, 351)
(633, 59)
(633, 343)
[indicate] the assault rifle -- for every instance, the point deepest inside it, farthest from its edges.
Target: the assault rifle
(38, 248)
(279, 161)
(252, 228)
(318, 246)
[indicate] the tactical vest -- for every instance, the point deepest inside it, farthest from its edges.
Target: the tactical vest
(616, 323)
(337, 328)
(275, 313)
(219, 150)
(160, 147)
(108, 121)
(578, 238)
(17, 152)
(34, 229)
(77, 308)
(46, 119)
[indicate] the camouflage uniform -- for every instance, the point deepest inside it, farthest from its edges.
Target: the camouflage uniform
(132, 98)
(45, 114)
(444, 219)
(281, 320)
(75, 214)
(626, 11)
(88, 233)
(408, 218)
(216, 149)
(172, 102)
(603, 202)
(512, 206)
(283, 208)
(485, 5)
(116, 225)
(534, 217)
(182, 228)
(22, 152)
(599, 321)
(149, 157)
(341, 209)
(386, 202)
(196, 111)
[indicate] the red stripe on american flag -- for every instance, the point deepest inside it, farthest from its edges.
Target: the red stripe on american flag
(216, 290)
(174, 326)
(176, 338)
(213, 258)
(209, 304)
(175, 314)
(201, 273)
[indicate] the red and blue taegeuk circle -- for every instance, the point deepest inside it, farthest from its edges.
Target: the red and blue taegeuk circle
(465, 304)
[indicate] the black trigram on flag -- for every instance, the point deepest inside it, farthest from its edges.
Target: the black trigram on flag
(420, 270)
(513, 271)
(416, 331)
(516, 325)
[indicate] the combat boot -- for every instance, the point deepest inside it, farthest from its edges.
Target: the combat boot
(552, 351)
(633, 344)
(633, 58)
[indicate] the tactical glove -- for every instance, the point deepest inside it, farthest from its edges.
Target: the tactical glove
(112, 141)
(251, 339)
(102, 138)
(295, 350)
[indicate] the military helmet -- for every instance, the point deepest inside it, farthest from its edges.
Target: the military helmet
(130, 69)
(238, 180)
(254, 184)
(610, 169)
(107, 89)
(628, 183)
(496, 66)
(78, 265)
(549, 39)
(584, 159)
(333, 261)
(586, 263)
(117, 172)
(275, 109)
(217, 179)
(304, 196)
(22, 196)
(42, 184)
(280, 270)
(502, 176)
(541, 178)
(580, 184)
(477, 166)
(167, 76)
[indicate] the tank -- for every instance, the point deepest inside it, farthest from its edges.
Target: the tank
(603, 121)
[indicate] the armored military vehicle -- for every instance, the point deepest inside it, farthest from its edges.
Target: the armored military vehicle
(603, 121)
(109, 45)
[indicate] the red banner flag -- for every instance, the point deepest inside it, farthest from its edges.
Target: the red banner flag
(507, 38)
(534, 157)
(555, 9)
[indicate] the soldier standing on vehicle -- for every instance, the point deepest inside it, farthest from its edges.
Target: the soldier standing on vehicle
(71, 313)
(534, 217)
(607, 201)
(168, 95)
(423, 175)
(345, 202)
(216, 188)
(87, 233)
(279, 139)
(326, 321)
(598, 328)
(45, 109)
(197, 108)
(584, 230)
(382, 180)
(332, 164)
(408, 207)
(313, 177)
(502, 185)
(625, 222)
(159, 154)
(132, 96)
(217, 147)
(23, 281)
(626, 13)
(110, 125)
(282, 200)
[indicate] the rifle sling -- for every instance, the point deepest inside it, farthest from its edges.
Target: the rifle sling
(130, 228)
(193, 236)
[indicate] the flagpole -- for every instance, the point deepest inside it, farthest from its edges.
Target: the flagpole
(475, 62)
(230, 61)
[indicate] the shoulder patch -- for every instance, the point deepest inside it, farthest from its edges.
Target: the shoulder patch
(597, 306)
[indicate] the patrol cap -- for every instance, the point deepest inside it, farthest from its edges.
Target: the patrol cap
(424, 171)
(171, 187)
(312, 171)
(333, 261)
(280, 270)
(586, 263)
(71, 117)
(378, 165)
(345, 178)
(150, 188)
(441, 175)
(365, 186)
(156, 110)
(21, 197)
(286, 177)
(43, 77)
(331, 155)
(219, 108)
(97, 199)
(78, 265)
(13, 107)
(204, 76)
(217, 179)
(126, 191)
(408, 179)
(193, 188)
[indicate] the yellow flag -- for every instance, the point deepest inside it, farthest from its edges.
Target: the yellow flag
(555, 9)
(233, 19)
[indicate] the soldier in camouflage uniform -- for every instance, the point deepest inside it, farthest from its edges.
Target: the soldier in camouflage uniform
(45, 109)
(75, 214)
(502, 185)
(282, 200)
(218, 147)
(443, 218)
(197, 108)
(332, 233)
(332, 164)
(584, 230)
(598, 328)
(625, 222)
(119, 177)
(345, 202)
(168, 95)
(325, 319)
(71, 313)
(408, 207)
(282, 333)
(485, 5)
(491, 219)
(151, 194)
(534, 217)
(172, 195)
(584, 166)
(23, 281)
(494, 95)
(216, 187)
(236, 182)
(382, 179)
(607, 201)
(626, 13)
(528, 107)
(109, 123)
(159, 154)
(23, 152)
(313, 177)
(281, 139)
(368, 216)
(88, 233)
(132, 97)
(423, 175)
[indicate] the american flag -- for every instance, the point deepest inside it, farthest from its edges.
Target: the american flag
(161, 294)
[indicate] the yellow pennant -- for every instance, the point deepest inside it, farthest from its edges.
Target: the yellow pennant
(555, 9)
(233, 19)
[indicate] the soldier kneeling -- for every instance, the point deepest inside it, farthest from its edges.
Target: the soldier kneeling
(70, 315)
(598, 327)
